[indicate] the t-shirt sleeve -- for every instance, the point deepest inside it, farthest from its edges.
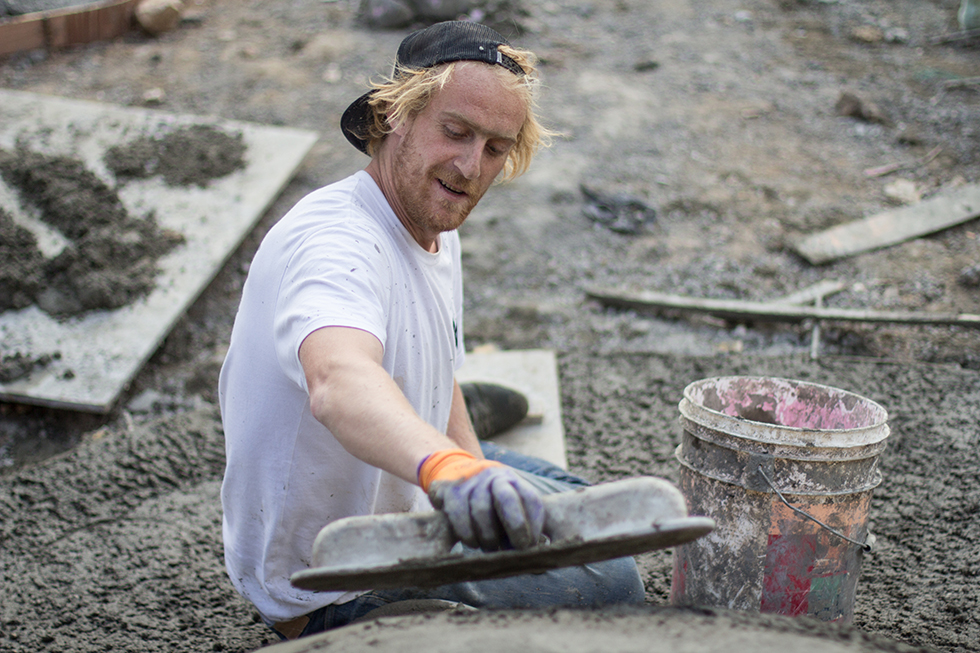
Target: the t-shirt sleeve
(335, 277)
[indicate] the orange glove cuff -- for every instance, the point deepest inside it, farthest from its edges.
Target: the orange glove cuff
(451, 465)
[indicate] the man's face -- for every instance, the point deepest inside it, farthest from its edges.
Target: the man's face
(445, 157)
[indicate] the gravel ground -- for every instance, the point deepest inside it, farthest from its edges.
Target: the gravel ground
(721, 117)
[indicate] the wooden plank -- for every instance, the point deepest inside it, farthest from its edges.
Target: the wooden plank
(93, 22)
(814, 293)
(737, 310)
(58, 28)
(21, 33)
(892, 227)
(533, 372)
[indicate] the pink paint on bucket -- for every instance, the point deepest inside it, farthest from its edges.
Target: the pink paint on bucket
(744, 438)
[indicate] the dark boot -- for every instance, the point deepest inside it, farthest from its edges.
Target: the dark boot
(493, 408)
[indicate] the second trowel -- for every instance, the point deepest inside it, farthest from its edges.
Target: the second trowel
(606, 521)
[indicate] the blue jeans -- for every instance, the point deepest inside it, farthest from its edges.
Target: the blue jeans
(586, 586)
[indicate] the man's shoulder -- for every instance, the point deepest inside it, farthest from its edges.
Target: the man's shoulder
(356, 194)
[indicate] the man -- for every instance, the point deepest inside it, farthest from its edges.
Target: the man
(337, 393)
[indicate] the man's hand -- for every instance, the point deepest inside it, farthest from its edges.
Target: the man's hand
(488, 505)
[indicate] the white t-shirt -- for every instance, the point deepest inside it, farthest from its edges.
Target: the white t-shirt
(340, 257)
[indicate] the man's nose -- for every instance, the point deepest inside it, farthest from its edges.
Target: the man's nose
(469, 160)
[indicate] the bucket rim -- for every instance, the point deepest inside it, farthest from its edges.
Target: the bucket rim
(746, 428)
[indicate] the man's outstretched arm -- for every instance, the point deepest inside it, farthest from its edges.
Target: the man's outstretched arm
(353, 396)
(488, 505)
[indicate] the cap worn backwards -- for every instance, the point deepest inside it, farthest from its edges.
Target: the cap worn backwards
(438, 44)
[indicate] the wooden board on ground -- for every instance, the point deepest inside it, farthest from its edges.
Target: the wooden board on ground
(60, 28)
(533, 372)
(99, 353)
(892, 227)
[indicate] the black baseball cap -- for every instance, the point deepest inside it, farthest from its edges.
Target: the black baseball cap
(453, 40)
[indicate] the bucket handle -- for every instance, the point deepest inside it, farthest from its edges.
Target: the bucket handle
(864, 545)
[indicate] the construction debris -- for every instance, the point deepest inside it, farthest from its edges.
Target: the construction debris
(623, 214)
(159, 16)
(737, 310)
(881, 171)
(852, 106)
(815, 294)
(892, 227)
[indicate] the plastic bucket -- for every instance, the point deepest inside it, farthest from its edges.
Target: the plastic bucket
(786, 469)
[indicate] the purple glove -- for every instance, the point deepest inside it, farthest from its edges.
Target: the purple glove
(492, 510)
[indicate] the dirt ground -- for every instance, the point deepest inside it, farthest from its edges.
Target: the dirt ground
(722, 119)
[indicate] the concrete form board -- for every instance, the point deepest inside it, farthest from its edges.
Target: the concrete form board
(533, 372)
(102, 351)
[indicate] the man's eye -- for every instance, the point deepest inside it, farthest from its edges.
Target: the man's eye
(497, 150)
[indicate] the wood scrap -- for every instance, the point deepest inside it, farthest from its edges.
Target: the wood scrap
(738, 310)
(961, 83)
(889, 168)
(960, 36)
(813, 293)
(815, 333)
(816, 294)
(892, 227)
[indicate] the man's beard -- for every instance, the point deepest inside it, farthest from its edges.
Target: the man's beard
(420, 200)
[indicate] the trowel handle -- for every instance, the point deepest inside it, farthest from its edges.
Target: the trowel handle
(604, 510)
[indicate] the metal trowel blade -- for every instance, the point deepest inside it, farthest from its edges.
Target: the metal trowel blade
(602, 522)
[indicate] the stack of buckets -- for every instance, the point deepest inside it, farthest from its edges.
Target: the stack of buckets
(786, 469)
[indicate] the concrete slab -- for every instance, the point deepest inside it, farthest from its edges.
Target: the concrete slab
(100, 353)
(533, 372)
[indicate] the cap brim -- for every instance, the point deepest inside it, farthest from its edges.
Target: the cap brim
(354, 123)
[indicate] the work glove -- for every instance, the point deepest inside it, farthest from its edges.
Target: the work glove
(489, 506)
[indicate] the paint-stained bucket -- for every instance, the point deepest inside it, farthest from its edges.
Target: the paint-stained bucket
(786, 469)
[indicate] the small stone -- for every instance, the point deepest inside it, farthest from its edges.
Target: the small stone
(385, 14)
(444, 9)
(970, 276)
(903, 191)
(868, 34)
(910, 136)
(897, 35)
(852, 106)
(619, 213)
(145, 401)
(154, 96)
(158, 16)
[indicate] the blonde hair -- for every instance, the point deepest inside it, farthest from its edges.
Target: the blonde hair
(408, 91)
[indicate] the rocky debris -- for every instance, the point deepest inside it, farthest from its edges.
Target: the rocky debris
(970, 276)
(852, 106)
(903, 191)
(17, 366)
(396, 14)
(70, 198)
(193, 155)
(20, 278)
(620, 213)
(110, 259)
(159, 16)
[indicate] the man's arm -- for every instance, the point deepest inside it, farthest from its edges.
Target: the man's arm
(460, 428)
(353, 396)
(488, 504)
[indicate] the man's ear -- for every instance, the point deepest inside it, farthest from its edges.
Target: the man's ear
(399, 128)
